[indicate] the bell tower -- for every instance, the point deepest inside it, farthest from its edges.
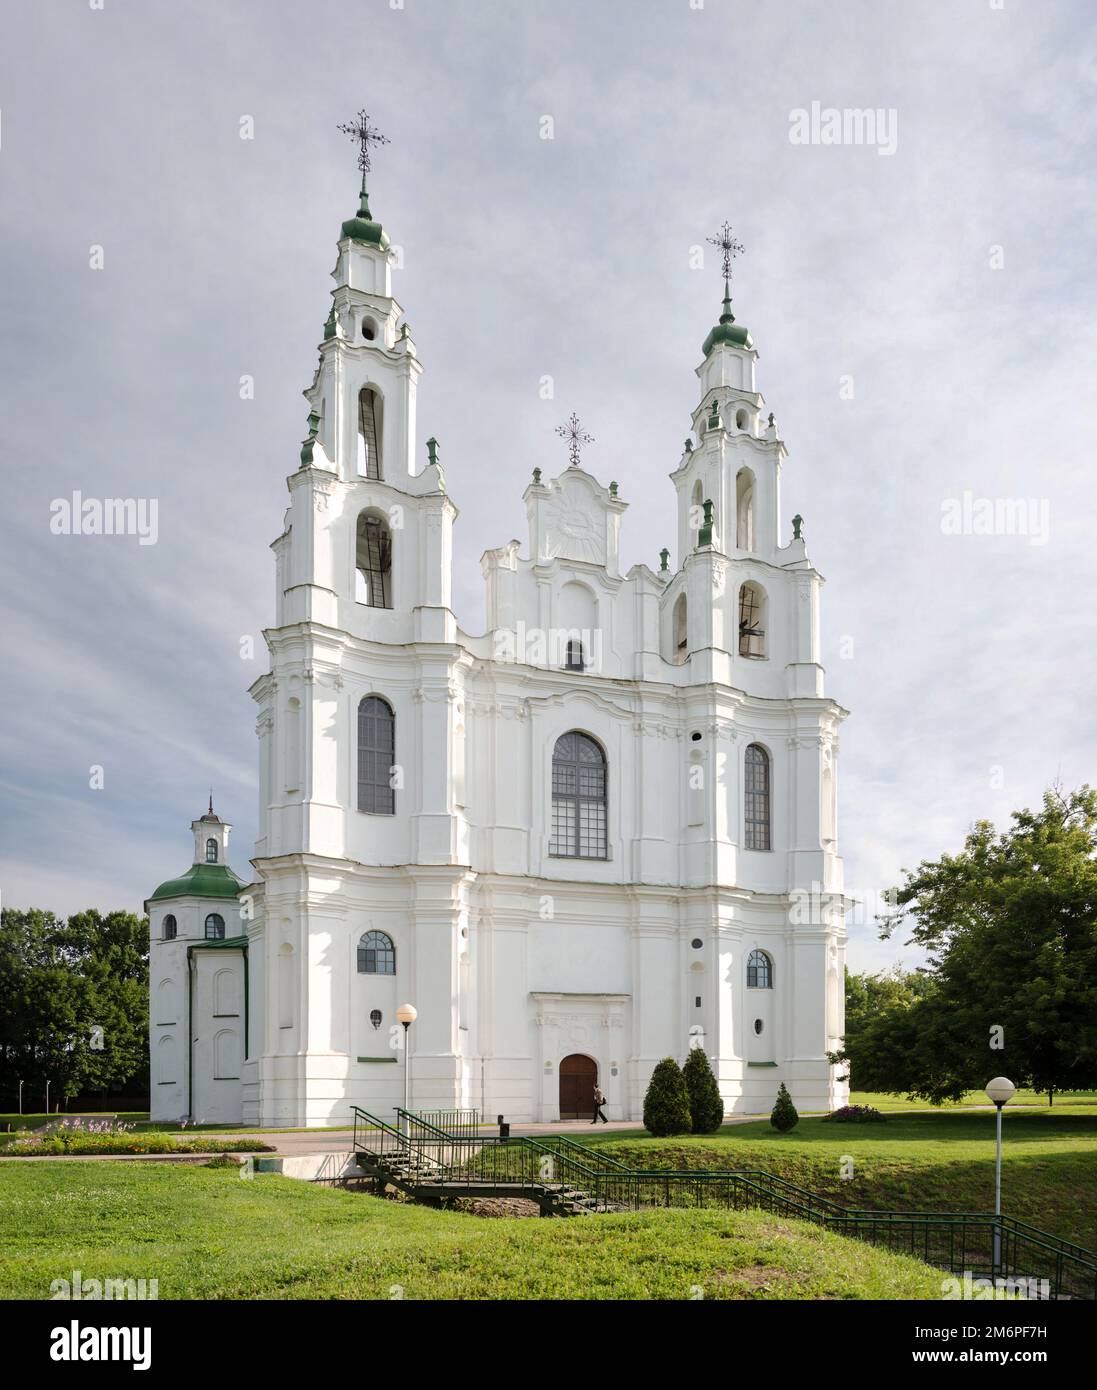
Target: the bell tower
(733, 457)
(368, 541)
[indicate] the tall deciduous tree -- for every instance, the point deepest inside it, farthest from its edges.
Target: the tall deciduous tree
(73, 1002)
(1010, 925)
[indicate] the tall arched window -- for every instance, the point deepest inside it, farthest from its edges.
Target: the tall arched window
(756, 800)
(369, 431)
(759, 974)
(376, 954)
(578, 798)
(752, 621)
(170, 928)
(680, 634)
(211, 851)
(373, 558)
(744, 509)
(573, 657)
(376, 756)
(215, 927)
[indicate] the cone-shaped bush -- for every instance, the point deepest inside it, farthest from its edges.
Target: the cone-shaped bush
(666, 1105)
(706, 1105)
(784, 1116)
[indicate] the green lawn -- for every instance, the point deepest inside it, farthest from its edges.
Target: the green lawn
(931, 1160)
(884, 1101)
(205, 1234)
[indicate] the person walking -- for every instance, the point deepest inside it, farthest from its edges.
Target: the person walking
(599, 1101)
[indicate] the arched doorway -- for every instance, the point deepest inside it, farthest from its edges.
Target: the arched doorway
(578, 1078)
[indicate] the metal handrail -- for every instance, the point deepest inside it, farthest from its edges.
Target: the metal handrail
(590, 1156)
(961, 1242)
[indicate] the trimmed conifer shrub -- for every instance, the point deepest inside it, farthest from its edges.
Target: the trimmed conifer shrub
(666, 1104)
(784, 1116)
(706, 1105)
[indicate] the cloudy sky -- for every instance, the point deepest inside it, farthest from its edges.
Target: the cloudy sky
(926, 319)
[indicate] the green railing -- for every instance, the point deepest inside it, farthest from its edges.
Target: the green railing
(591, 1158)
(555, 1170)
(460, 1122)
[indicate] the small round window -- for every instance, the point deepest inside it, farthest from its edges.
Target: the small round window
(758, 1025)
(375, 1017)
(696, 943)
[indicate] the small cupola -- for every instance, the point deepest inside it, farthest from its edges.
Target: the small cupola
(211, 837)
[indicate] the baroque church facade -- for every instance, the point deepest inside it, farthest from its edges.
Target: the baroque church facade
(599, 834)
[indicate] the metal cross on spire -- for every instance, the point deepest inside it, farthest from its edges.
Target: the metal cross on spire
(729, 245)
(576, 437)
(365, 135)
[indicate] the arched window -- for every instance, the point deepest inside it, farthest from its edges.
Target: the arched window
(578, 798)
(215, 927)
(756, 807)
(376, 954)
(376, 755)
(680, 636)
(759, 974)
(375, 1017)
(744, 509)
(211, 851)
(369, 426)
(752, 621)
(373, 558)
(171, 931)
(573, 660)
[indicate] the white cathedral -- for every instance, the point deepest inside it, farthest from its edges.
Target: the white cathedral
(599, 834)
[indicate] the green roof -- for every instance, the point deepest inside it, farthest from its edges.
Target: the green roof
(727, 330)
(362, 227)
(201, 881)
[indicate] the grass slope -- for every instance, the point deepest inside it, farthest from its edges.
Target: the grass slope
(204, 1233)
(919, 1160)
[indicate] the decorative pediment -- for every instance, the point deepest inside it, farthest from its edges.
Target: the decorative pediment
(573, 517)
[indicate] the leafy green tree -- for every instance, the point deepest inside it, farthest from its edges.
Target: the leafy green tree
(666, 1104)
(73, 1002)
(1010, 925)
(784, 1115)
(706, 1105)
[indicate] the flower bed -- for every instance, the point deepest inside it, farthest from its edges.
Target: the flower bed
(77, 1138)
(856, 1115)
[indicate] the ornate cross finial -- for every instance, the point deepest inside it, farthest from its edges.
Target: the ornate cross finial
(729, 245)
(365, 135)
(575, 436)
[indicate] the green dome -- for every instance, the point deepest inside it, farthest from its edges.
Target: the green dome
(201, 881)
(362, 227)
(727, 330)
(727, 333)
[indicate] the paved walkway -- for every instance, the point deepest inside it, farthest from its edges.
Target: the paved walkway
(336, 1141)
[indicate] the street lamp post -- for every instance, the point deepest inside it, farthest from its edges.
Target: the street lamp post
(1000, 1091)
(20, 1097)
(406, 1014)
(47, 1097)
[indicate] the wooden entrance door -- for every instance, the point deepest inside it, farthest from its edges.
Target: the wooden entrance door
(578, 1077)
